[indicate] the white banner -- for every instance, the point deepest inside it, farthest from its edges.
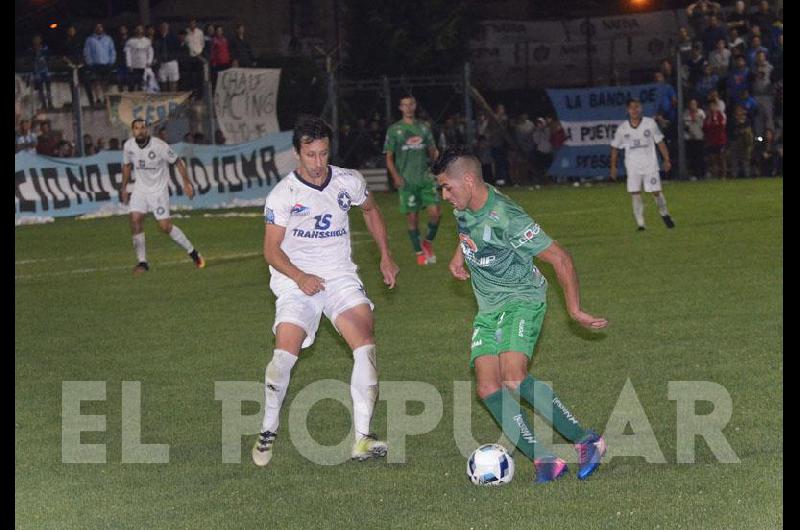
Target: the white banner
(245, 103)
(581, 133)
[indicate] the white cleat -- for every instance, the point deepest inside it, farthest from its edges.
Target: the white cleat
(369, 447)
(262, 450)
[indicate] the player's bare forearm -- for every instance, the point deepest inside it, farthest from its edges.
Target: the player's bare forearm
(562, 263)
(126, 176)
(613, 163)
(275, 256)
(457, 267)
(187, 184)
(396, 178)
(377, 227)
(662, 147)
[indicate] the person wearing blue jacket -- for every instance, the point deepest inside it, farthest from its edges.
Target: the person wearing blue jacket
(99, 55)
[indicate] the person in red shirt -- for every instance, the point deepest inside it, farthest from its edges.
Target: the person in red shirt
(714, 129)
(220, 53)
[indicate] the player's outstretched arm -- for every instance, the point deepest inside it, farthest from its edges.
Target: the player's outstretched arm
(275, 256)
(562, 263)
(457, 268)
(376, 227)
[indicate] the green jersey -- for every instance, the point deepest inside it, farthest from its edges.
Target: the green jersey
(499, 242)
(409, 143)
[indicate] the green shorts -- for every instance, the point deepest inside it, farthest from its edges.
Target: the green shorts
(416, 197)
(513, 327)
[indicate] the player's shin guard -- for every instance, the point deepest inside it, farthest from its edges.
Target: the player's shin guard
(138, 247)
(661, 202)
(638, 208)
(432, 229)
(514, 422)
(541, 397)
(180, 238)
(276, 381)
(364, 387)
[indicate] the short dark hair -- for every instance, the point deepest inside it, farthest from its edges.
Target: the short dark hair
(451, 154)
(632, 100)
(138, 119)
(406, 95)
(308, 128)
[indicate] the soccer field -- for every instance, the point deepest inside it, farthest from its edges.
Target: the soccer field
(702, 302)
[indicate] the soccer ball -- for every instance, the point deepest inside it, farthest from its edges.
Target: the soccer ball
(490, 465)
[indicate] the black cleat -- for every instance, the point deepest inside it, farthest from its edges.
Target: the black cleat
(640, 229)
(141, 268)
(668, 221)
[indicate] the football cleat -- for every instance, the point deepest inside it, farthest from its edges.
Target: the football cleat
(367, 447)
(427, 251)
(262, 450)
(199, 261)
(668, 221)
(590, 450)
(549, 468)
(422, 260)
(141, 268)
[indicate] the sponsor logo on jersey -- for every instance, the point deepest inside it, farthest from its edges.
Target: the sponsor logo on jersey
(414, 142)
(299, 209)
(530, 232)
(344, 200)
(319, 234)
(467, 243)
(269, 216)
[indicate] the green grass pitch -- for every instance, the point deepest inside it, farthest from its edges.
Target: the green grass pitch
(702, 302)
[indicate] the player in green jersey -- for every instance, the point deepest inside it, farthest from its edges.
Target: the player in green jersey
(498, 242)
(408, 145)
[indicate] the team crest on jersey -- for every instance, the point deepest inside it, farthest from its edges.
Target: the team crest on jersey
(467, 243)
(647, 134)
(151, 155)
(299, 209)
(493, 216)
(344, 200)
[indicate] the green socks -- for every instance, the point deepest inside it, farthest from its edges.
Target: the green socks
(508, 414)
(541, 397)
(414, 235)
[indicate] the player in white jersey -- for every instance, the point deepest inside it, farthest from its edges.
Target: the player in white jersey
(149, 159)
(639, 136)
(307, 247)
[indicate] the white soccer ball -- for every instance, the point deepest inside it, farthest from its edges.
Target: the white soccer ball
(490, 465)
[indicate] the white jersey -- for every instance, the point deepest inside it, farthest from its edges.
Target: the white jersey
(639, 144)
(138, 53)
(150, 164)
(317, 239)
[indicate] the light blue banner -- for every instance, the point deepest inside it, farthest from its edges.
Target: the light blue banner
(589, 116)
(58, 187)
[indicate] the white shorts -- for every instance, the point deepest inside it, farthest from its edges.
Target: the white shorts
(651, 181)
(168, 72)
(340, 294)
(158, 203)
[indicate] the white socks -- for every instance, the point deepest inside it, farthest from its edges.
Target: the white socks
(276, 381)
(661, 202)
(180, 238)
(363, 387)
(638, 208)
(138, 246)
